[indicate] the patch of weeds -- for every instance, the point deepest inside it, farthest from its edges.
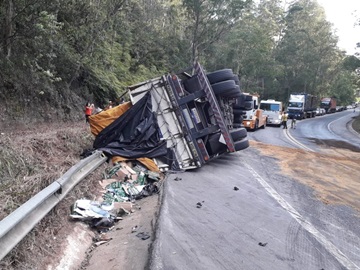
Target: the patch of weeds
(29, 162)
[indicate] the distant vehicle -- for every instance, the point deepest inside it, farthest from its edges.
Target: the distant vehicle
(302, 106)
(272, 109)
(339, 108)
(320, 111)
(329, 104)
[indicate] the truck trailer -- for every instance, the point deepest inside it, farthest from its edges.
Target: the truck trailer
(181, 120)
(302, 106)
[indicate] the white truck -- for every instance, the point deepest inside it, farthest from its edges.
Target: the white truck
(273, 110)
(302, 106)
(253, 117)
(190, 114)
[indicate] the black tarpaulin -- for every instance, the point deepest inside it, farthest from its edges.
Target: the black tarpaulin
(134, 134)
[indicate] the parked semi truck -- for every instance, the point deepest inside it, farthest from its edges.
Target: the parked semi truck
(302, 106)
(273, 110)
(329, 104)
(193, 114)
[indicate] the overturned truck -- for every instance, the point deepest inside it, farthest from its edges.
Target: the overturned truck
(181, 121)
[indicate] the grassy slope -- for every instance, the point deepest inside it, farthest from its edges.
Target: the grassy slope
(30, 160)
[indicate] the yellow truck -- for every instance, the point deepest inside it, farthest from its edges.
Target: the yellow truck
(254, 117)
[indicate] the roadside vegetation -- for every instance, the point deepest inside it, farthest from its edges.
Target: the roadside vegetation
(55, 55)
(31, 160)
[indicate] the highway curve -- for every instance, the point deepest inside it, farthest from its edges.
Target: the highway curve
(290, 201)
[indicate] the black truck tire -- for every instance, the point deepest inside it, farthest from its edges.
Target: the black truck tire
(239, 111)
(238, 134)
(241, 145)
(238, 118)
(221, 88)
(236, 79)
(233, 93)
(220, 75)
(264, 125)
(256, 125)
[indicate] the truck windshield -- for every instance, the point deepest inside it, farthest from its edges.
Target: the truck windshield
(295, 104)
(249, 105)
(269, 107)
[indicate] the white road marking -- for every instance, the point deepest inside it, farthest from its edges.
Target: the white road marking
(293, 140)
(330, 247)
(348, 124)
(332, 122)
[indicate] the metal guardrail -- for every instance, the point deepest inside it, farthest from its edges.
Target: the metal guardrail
(19, 223)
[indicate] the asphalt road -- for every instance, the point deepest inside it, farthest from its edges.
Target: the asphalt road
(314, 133)
(270, 222)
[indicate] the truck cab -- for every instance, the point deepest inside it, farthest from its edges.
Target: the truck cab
(329, 104)
(254, 117)
(272, 109)
(302, 106)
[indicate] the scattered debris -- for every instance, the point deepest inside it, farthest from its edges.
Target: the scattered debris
(143, 235)
(236, 188)
(177, 179)
(121, 185)
(101, 239)
(134, 229)
(262, 244)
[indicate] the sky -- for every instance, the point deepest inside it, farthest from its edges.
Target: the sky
(342, 14)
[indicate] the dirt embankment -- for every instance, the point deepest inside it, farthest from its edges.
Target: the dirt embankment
(31, 159)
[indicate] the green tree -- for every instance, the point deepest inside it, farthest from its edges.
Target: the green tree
(209, 20)
(343, 88)
(307, 49)
(249, 49)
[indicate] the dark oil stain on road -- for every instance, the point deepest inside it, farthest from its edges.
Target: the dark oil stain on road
(336, 144)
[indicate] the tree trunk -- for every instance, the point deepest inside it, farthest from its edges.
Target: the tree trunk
(8, 28)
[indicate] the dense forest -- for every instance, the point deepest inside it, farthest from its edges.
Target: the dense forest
(57, 54)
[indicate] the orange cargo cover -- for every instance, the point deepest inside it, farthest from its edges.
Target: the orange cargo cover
(101, 120)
